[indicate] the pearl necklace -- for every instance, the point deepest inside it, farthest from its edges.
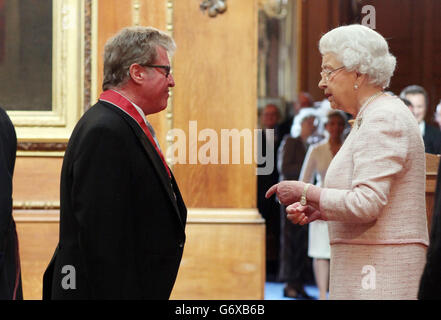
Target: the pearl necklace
(359, 118)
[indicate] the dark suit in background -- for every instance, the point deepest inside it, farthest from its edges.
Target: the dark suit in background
(432, 139)
(10, 275)
(270, 209)
(430, 285)
(295, 265)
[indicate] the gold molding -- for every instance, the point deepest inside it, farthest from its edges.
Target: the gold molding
(33, 205)
(169, 110)
(136, 12)
(94, 54)
(26, 216)
(49, 211)
(67, 88)
(224, 215)
(47, 154)
(299, 9)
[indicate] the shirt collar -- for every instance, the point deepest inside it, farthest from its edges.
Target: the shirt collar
(422, 125)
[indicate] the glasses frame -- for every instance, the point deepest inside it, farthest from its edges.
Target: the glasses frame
(166, 68)
(327, 74)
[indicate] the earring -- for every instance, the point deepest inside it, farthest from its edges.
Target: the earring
(356, 86)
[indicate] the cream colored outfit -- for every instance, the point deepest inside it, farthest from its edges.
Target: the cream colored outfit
(316, 164)
(374, 199)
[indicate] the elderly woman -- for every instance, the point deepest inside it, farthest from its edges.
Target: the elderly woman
(374, 192)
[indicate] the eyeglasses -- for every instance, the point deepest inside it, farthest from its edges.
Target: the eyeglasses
(327, 74)
(166, 68)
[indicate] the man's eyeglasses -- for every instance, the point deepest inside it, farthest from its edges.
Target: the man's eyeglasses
(327, 74)
(166, 68)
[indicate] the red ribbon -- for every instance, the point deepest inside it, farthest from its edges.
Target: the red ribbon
(121, 102)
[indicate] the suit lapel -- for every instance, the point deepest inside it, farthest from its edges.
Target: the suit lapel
(151, 154)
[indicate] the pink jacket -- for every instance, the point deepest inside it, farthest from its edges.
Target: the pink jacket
(375, 186)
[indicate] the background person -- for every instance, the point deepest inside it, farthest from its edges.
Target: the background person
(122, 219)
(304, 100)
(438, 114)
(374, 192)
(295, 266)
(430, 284)
(407, 103)
(10, 272)
(270, 210)
(417, 95)
(314, 169)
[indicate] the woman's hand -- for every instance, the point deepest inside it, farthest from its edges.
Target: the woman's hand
(287, 192)
(298, 214)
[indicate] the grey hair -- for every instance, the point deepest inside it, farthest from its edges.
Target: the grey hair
(132, 45)
(415, 89)
(361, 49)
(304, 114)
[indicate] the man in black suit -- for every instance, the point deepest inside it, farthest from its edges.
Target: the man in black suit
(304, 100)
(430, 284)
(269, 209)
(122, 219)
(431, 135)
(10, 275)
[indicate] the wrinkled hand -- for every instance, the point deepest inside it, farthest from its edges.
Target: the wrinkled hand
(298, 214)
(287, 192)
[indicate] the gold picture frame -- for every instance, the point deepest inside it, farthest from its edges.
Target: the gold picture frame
(54, 127)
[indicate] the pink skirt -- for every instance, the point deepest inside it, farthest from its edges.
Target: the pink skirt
(376, 271)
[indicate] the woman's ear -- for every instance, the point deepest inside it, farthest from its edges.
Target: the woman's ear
(360, 79)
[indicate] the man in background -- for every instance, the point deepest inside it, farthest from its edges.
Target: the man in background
(430, 283)
(438, 115)
(304, 100)
(122, 217)
(431, 135)
(10, 273)
(269, 210)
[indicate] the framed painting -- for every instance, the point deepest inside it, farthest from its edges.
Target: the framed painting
(42, 68)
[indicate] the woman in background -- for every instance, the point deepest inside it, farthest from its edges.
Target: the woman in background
(314, 168)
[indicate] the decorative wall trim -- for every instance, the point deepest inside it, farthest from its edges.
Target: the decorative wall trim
(67, 83)
(169, 110)
(87, 54)
(195, 215)
(42, 146)
(136, 12)
(36, 205)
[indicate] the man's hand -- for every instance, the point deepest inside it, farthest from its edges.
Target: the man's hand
(287, 192)
(298, 214)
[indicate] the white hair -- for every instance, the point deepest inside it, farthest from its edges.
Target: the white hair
(361, 49)
(304, 113)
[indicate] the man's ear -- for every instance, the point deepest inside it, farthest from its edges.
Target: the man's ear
(137, 72)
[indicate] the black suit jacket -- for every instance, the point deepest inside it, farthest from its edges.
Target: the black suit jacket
(9, 259)
(122, 218)
(430, 285)
(432, 139)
